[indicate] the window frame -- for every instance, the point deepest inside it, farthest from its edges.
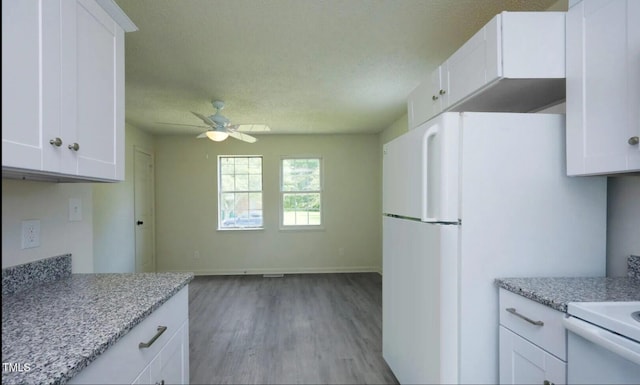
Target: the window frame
(220, 193)
(284, 227)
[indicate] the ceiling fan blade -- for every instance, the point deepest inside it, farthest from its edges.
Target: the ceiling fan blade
(250, 127)
(241, 136)
(205, 119)
(203, 135)
(180, 124)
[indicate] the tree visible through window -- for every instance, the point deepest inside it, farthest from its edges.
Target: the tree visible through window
(301, 189)
(240, 192)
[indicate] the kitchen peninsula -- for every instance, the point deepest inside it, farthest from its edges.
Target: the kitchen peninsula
(52, 330)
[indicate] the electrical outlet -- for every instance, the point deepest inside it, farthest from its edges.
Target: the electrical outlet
(75, 209)
(30, 234)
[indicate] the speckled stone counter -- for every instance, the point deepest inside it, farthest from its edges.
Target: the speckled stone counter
(558, 292)
(633, 264)
(56, 329)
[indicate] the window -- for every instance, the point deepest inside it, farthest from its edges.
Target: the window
(301, 190)
(239, 192)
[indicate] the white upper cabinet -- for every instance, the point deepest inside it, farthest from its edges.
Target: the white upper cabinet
(603, 87)
(426, 100)
(62, 91)
(515, 63)
(30, 84)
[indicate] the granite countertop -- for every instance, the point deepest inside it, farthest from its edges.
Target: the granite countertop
(558, 292)
(56, 329)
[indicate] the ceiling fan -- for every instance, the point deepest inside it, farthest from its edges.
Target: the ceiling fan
(219, 127)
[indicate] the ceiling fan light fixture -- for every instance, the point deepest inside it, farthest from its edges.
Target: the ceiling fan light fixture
(217, 136)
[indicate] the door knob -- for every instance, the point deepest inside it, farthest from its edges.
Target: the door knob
(74, 147)
(633, 140)
(140, 223)
(434, 97)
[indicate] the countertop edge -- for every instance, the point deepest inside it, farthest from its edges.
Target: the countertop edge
(558, 292)
(560, 306)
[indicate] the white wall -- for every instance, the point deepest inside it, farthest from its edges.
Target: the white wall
(48, 202)
(186, 208)
(398, 128)
(623, 222)
(113, 213)
(623, 216)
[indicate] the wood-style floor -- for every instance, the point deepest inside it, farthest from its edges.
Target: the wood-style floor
(298, 329)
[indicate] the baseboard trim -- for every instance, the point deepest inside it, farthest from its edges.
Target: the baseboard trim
(301, 270)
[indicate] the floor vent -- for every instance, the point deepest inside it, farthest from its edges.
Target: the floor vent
(273, 275)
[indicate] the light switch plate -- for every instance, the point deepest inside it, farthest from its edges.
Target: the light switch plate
(30, 234)
(75, 209)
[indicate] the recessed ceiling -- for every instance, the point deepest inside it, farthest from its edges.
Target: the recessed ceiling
(300, 66)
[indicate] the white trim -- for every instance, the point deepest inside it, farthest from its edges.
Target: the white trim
(219, 192)
(298, 270)
(281, 225)
(118, 15)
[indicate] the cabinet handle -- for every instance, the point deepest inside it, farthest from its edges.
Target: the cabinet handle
(515, 312)
(160, 382)
(56, 142)
(139, 223)
(161, 329)
(434, 97)
(633, 140)
(74, 147)
(442, 92)
(547, 382)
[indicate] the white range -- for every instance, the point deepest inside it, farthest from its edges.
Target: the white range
(603, 342)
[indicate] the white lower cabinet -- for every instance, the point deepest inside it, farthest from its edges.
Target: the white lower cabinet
(168, 367)
(533, 342)
(156, 351)
(522, 362)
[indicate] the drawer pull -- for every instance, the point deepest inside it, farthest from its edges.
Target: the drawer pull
(161, 329)
(513, 311)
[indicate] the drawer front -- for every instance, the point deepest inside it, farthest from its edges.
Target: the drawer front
(124, 361)
(549, 335)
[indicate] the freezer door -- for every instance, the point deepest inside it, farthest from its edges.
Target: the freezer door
(420, 171)
(402, 175)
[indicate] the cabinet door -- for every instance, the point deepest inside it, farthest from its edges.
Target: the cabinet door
(144, 377)
(439, 96)
(30, 83)
(474, 64)
(427, 100)
(522, 362)
(171, 366)
(603, 87)
(92, 91)
(419, 105)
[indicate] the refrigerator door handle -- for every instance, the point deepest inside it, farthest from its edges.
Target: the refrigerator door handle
(431, 132)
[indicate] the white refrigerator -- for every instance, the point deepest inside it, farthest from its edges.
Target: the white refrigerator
(467, 198)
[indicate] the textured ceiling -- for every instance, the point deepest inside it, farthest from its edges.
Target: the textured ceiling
(300, 66)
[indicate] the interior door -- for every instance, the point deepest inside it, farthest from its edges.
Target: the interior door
(144, 211)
